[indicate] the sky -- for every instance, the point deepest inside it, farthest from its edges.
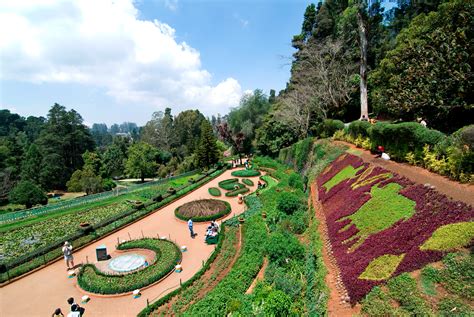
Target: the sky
(121, 60)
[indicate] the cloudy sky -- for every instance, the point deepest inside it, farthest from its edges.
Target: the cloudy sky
(120, 60)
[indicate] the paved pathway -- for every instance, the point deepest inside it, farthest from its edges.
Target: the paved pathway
(40, 293)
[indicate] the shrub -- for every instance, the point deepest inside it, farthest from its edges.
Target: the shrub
(453, 307)
(245, 173)
(359, 128)
(108, 184)
(247, 182)
(214, 191)
(288, 203)
(229, 184)
(237, 191)
(328, 127)
(295, 181)
(203, 210)
(282, 247)
(277, 304)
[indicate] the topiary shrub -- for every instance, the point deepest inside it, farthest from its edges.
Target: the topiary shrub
(245, 173)
(361, 128)
(237, 191)
(328, 127)
(288, 203)
(214, 191)
(248, 182)
(229, 184)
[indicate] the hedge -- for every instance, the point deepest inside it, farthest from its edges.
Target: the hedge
(168, 255)
(214, 191)
(248, 182)
(229, 184)
(361, 128)
(328, 127)
(237, 191)
(245, 173)
(220, 214)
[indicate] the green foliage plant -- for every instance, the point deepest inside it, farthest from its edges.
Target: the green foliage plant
(229, 184)
(282, 247)
(214, 191)
(404, 290)
(450, 236)
(384, 209)
(247, 182)
(236, 192)
(346, 173)
(245, 173)
(288, 203)
(28, 194)
(382, 267)
(167, 256)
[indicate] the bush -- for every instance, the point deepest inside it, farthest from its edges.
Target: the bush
(237, 191)
(295, 181)
(288, 203)
(108, 184)
(277, 304)
(328, 127)
(282, 247)
(245, 173)
(229, 184)
(248, 182)
(28, 194)
(214, 191)
(358, 127)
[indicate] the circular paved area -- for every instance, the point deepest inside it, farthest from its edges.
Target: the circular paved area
(127, 263)
(40, 293)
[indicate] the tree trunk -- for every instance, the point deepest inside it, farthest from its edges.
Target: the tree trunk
(364, 107)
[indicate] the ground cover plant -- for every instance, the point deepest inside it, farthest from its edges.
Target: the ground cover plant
(381, 225)
(167, 256)
(245, 173)
(214, 191)
(203, 210)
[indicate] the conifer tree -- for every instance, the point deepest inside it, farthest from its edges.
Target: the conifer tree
(207, 152)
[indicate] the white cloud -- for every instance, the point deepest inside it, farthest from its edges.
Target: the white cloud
(243, 22)
(104, 44)
(171, 4)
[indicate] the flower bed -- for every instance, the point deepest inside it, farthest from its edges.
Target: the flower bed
(214, 191)
(167, 256)
(237, 191)
(230, 184)
(203, 210)
(381, 225)
(245, 173)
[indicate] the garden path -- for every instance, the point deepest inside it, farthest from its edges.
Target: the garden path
(455, 190)
(41, 292)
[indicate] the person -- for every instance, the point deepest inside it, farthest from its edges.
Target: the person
(364, 118)
(67, 251)
(190, 226)
(259, 184)
(57, 313)
(76, 310)
(380, 151)
(423, 123)
(214, 224)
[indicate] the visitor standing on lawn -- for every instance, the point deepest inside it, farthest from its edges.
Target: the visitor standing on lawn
(190, 226)
(67, 251)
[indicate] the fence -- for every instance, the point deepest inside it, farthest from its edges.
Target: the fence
(17, 215)
(42, 256)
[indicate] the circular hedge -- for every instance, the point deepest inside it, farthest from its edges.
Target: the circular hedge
(229, 184)
(245, 173)
(214, 191)
(203, 210)
(248, 182)
(167, 253)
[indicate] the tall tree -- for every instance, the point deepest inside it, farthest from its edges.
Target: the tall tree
(159, 130)
(31, 166)
(28, 194)
(141, 161)
(207, 153)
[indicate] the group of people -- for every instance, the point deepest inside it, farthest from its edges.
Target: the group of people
(212, 230)
(261, 185)
(75, 310)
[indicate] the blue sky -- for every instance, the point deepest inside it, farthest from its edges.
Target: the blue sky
(119, 60)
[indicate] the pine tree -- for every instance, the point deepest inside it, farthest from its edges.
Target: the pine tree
(31, 166)
(207, 152)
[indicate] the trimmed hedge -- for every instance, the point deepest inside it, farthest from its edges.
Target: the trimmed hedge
(214, 191)
(328, 127)
(218, 215)
(237, 191)
(246, 173)
(167, 256)
(229, 184)
(361, 128)
(248, 182)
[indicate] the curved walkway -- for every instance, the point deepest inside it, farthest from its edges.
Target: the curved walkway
(43, 291)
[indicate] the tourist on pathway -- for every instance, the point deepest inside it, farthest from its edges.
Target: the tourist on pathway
(76, 310)
(57, 313)
(67, 251)
(190, 226)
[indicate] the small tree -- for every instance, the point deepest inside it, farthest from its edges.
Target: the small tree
(28, 194)
(85, 181)
(141, 160)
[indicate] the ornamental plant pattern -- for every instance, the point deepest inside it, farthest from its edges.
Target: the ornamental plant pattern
(379, 221)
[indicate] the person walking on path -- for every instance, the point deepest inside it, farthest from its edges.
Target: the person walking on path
(67, 251)
(190, 226)
(57, 313)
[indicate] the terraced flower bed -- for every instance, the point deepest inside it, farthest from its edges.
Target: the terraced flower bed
(167, 256)
(203, 210)
(230, 184)
(381, 225)
(245, 173)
